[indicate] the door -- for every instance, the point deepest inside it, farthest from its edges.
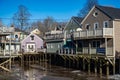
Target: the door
(31, 47)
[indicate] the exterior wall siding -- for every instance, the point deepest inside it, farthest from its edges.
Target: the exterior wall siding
(53, 47)
(117, 36)
(37, 41)
(98, 19)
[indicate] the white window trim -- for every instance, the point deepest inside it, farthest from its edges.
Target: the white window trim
(86, 26)
(94, 14)
(51, 45)
(48, 46)
(95, 25)
(107, 24)
(59, 45)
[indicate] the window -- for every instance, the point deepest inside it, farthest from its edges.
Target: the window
(71, 31)
(87, 26)
(48, 46)
(59, 45)
(16, 36)
(51, 46)
(105, 24)
(32, 37)
(96, 25)
(95, 14)
(96, 44)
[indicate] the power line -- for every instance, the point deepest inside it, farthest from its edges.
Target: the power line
(33, 19)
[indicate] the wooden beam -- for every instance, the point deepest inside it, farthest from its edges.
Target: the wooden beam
(5, 69)
(5, 62)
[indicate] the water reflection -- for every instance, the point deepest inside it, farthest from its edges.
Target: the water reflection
(40, 72)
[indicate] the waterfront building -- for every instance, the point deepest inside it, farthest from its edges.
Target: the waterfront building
(95, 41)
(11, 38)
(57, 38)
(33, 42)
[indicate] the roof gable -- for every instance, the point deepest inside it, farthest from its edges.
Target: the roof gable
(114, 13)
(30, 35)
(73, 23)
(36, 31)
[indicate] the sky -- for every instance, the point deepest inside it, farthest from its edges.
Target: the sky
(40, 9)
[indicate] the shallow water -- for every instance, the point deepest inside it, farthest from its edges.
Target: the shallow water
(38, 72)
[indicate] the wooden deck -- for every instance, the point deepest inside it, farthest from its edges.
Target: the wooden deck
(99, 61)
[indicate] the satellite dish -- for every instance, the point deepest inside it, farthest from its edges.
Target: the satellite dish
(78, 29)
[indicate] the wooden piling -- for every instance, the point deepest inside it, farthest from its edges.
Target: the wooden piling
(100, 68)
(95, 69)
(107, 69)
(113, 66)
(83, 64)
(89, 66)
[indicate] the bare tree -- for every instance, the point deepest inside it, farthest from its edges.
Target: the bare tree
(49, 23)
(46, 25)
(39, 25)
(87, 7)
(21, 17)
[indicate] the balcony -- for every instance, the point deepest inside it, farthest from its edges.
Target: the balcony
(86, 51)
(105, 32)
(54, 36)
(8, 53)
(12, 40)
(84, 34)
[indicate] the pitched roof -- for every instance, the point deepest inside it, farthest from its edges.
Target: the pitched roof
(30, 35)
(78, 19)
(35, 31)
(112, 12)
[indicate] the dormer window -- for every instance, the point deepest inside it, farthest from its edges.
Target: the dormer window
(95, 14)
(32, 37)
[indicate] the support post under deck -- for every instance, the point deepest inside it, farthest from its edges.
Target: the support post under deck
(100, 68)
(107, 69)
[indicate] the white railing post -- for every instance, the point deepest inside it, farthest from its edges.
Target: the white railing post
(68, 51)
(71, 51)
(65, 51)
(103, 32)
(4, 52)
(95, 33)
(87, 33)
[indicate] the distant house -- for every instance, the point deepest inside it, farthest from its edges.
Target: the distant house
(56, 38)
(13, 40)
(36, 31)
(10, 39)
(32, 43)
(49, 35)
(73, 25)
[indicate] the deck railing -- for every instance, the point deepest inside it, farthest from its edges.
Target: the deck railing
(94, 33)
(84, 34)
(67, 51)
(86, 50)
(8, 53)
(54, 36)
(108, 51)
